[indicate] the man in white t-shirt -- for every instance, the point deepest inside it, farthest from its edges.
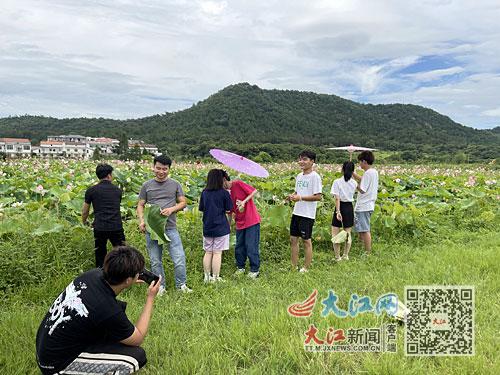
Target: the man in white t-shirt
(308, 191)
(367, 195)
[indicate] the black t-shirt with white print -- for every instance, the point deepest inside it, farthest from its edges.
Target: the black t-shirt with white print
(85, 313)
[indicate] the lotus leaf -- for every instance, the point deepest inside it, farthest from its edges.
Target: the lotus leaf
(155, 223)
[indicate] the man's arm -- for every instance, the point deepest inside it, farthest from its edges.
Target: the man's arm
(142, 325)
(308, 198)
(359, 188)
(249, 196)
(181, 203)
(241, 204)
(312, 198)
(85, 212)
(140, 215)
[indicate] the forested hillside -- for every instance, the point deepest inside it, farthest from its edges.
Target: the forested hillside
(278, 123)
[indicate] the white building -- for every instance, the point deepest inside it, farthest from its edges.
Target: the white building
(50, 149)
(106, 146)
(69, 146)
(53, 148)
(15, 147)
(150, 149)
(68, 138)
(81, 147)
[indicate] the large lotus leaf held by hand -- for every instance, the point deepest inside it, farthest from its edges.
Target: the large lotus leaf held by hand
(155, 223)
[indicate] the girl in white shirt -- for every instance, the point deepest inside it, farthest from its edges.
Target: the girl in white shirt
(343, 190)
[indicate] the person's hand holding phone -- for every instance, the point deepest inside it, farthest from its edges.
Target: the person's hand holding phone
(154, 287)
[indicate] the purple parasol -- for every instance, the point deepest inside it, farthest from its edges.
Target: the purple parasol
(239, 163)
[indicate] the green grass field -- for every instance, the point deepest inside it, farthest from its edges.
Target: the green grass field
(242, 325)
(433, 225)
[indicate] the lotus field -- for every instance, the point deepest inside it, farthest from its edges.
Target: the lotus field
(432, 225)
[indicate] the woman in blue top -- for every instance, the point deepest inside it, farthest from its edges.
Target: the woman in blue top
(215, 202)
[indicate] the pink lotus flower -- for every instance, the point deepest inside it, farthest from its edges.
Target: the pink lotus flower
(40, 190)
(471, 182)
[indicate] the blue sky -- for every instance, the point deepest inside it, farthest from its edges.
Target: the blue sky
(129, 59)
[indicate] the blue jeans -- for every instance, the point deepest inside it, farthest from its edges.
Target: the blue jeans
(176, 252)
(247, 245)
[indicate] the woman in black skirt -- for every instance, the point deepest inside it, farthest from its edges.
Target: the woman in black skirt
(343, 190)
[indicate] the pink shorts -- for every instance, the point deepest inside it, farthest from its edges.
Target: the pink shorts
(216, 243)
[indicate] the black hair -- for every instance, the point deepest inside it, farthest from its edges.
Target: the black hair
(215, 179)
(103, 170)
(347, 170)
(308, 154)
(162, 159)
(225, 175)
(367, 156)
(121, 263)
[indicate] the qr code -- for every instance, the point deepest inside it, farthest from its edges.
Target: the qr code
(440, 321)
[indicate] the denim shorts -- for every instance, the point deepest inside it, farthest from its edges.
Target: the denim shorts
(362, 221)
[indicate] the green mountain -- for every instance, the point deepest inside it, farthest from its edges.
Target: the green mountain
(250, 120)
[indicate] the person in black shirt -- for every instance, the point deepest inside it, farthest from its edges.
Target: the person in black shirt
(105, 199)
(86, 329)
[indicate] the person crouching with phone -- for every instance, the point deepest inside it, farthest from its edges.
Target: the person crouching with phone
(86, 329)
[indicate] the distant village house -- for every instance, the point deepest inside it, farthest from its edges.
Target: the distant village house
(15, 147)
(70, 146)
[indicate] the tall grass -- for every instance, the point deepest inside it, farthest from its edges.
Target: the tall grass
(242, 326)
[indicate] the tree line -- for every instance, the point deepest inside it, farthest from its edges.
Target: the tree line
(276, 123)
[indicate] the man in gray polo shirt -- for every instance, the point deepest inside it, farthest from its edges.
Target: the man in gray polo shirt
(168, 194)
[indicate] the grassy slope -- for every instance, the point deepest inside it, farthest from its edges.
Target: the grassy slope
(242, 325)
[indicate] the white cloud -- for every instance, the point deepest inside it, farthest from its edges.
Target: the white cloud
(213, 7)
(126, 58)
(471, 101)
(492, 112)
(436, 74)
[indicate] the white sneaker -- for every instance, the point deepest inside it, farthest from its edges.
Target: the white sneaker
(219, 279)
(161, 291)
(338, 259)
(345, 257)
(184, 289)
(206, 278)
(253, 275)
(303, 270)
(240, 271)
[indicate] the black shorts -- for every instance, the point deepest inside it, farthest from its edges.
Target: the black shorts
(347, 213)
(301, 227)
